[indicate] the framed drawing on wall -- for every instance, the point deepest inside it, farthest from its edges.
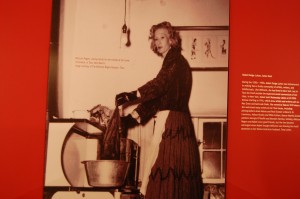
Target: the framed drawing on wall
(205, 47)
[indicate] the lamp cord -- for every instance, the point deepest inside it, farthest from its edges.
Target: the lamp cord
(125, 13)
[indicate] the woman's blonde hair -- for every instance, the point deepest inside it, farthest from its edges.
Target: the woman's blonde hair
(173, 36)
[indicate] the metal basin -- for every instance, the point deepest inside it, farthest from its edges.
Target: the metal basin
(106, 173)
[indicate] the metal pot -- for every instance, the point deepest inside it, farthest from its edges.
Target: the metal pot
(106, 173)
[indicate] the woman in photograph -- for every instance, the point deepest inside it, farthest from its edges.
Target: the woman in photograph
(172, 170)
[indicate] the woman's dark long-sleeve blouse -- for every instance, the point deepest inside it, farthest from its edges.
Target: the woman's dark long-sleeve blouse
(169, 90)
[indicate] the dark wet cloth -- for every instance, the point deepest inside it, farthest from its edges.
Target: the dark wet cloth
(110, 146)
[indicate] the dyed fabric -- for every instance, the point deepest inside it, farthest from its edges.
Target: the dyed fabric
(110, 147)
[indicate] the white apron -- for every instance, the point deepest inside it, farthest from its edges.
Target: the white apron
(159, 128)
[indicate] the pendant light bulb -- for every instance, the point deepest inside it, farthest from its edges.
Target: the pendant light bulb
(124, 35)
(124, 29)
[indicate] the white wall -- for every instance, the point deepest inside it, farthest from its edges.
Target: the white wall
(91, 30)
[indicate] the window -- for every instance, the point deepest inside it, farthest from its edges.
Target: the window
(212, 135)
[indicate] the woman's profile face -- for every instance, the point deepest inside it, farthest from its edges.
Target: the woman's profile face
(162, 41)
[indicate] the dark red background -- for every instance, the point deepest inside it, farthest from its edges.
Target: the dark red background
(264, 38)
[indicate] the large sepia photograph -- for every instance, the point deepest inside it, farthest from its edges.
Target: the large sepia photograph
(137, 99)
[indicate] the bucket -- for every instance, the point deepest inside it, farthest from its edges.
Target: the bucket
(106, 173)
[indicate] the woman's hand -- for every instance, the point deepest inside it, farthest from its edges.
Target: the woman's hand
(125, 97)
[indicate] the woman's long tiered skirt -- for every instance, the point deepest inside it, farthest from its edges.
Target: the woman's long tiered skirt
(174, 166)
